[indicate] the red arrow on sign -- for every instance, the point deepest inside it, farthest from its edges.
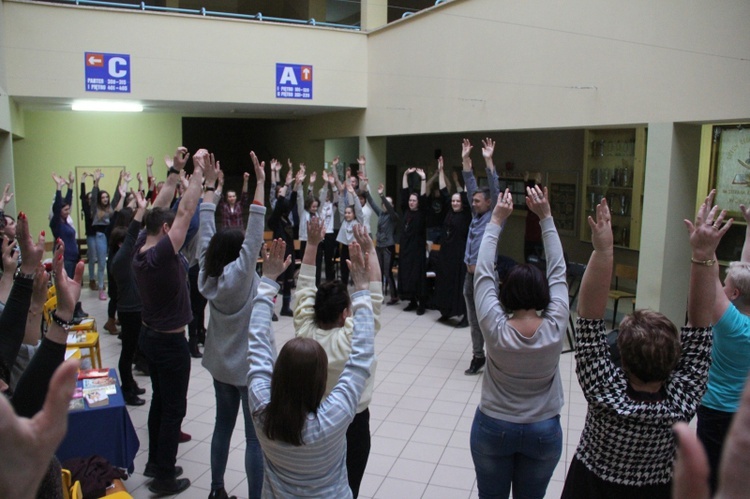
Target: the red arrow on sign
(96, 60)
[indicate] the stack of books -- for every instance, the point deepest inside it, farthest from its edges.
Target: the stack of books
(96, 388)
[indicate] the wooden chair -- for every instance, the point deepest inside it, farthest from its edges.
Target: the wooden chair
(66, 479)
(626, 272)
(575, 274)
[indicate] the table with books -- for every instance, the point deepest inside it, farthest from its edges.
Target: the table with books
(98, 421)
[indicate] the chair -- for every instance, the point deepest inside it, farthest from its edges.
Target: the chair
(626, 272)
(575, 274)
(76, 492)
(51, 291)
(87, 327)
(66, 479)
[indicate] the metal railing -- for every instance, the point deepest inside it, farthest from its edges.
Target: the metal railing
(206, 13)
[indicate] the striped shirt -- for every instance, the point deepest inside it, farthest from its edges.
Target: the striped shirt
(318, 467)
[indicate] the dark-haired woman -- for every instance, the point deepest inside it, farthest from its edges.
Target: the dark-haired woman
(412, 263)
(101, 210)
(229, 282)
(449, 292)
(303, 434)
(516, 438)
(61, 227)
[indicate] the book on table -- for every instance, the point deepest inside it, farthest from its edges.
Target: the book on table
(102, 372)
(108, 385)
(96, 398)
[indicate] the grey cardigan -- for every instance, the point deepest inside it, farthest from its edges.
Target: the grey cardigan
(230, 298)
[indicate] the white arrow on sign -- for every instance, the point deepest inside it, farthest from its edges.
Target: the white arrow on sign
(94, 60)
(306, 73)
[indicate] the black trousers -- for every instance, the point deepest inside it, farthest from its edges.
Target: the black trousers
(131, 331)
(197, 303)
(357, 449)
(712, 430)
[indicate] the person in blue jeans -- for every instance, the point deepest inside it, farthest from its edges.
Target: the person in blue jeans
(101, 211)
(516, 437)
(228, 280)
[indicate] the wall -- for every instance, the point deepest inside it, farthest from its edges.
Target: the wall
(60, 141)
(502, 64)
(223, 60)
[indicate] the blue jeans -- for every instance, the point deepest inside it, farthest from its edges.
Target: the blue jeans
(91, 254)
(101, 257)
(228, 399)
(524, 455)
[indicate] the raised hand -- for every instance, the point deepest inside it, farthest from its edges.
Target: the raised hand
(537, 201)
(362, 236)
(71, 178)
(68, 288)
(421, 173)
(313, 178)
(745, 212)
(466, 148)
(316, 231)
(707, 230)
(335, 161)
(359, 267)
(601, 229)
(361, 161)
(274, 263)
(180, 158)
(10, 257)
(149, 162)
(381, 189)
(488, 148)
(201, 160)
(503, 208)
(325, 177)
(7, 196)
(139, 177)
(127, 177)
(41, 282)
(32, 252)
(260, 168)
(98, 174)
(168, 161)
(440, 164)
(58, 180)
(211, 173)
(140, 201)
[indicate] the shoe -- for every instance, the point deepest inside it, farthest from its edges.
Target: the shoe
(444, 319)
(420, 310)
(392, 301)
(133, 399)
(111, 326)
(137, 390)
(185, 437)
(220, 494)
(150, 471)
(169, 487)
(92, 285)
(194, 350)
(78, 313)
(411, 306)
(477, 363)
(102, 295)
(464, 323)
(275, 318)
(202, 336)
(286, 312)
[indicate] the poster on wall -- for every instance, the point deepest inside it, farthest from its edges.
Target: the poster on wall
(294, 81)
(107, 72)
(731, 156)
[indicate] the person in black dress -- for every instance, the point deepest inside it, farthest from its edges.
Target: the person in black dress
(281, 224)
(449, 296)
(412, 258)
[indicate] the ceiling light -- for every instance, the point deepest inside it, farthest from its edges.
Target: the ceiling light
(107, 105)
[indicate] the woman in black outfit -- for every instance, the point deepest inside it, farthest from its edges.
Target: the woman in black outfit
(412, 258)
(449, 296)
(281, 225)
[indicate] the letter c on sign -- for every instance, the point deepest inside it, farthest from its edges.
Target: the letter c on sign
(116, 69)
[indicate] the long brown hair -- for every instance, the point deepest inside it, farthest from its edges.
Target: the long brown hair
(298, 384)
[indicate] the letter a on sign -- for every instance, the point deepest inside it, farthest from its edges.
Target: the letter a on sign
(288, 77)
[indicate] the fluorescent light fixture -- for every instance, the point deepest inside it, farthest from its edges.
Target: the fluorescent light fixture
(107, 105)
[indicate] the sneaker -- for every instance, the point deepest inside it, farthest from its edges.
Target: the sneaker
(477, 363)
(169, 487)
(102, 295)
(150, 471)
(185, 437)
(220, 494)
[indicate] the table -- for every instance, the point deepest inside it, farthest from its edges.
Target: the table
(105, 431)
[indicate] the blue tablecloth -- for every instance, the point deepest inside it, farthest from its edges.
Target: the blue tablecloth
(105, 431)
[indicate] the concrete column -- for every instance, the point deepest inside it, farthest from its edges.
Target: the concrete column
(374, 14)
(672, 160)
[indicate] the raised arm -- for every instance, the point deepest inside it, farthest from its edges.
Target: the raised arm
(375, 208)
(189, 201)
(489, 312)
(488, 150)
(360, 216)
(459, 189)
(594, 290)
(10, 263)
(405, 178)
(705, 234)
(423, 183)
(6, 198)
(255, 221)
(468, 173)
(441, 174)
(166, 193)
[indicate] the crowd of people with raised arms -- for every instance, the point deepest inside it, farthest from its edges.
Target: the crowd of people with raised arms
(306, 408)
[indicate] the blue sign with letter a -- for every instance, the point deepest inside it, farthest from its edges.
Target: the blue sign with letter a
(107, 72)
(294, 81)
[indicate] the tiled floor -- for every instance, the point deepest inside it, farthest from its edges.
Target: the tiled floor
(421, 413)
